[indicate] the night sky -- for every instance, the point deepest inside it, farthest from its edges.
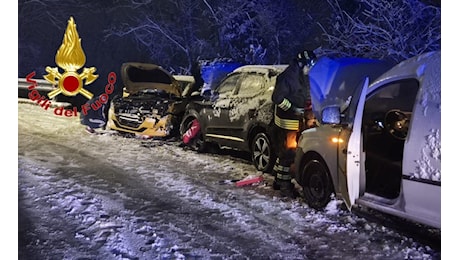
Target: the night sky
(41, 31)
(173, 34)
(188, 31)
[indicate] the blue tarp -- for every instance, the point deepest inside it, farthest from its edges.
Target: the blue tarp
(213, 72)
(333, 80)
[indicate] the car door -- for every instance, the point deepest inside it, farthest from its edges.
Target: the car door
(350, 182)
(246, 101)
(401, 129)
(215, 115)
(386, 120)
(421, 172)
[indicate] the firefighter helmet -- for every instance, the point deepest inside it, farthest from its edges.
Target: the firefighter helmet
(306, 57)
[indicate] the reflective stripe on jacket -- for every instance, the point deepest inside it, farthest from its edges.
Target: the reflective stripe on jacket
(286, 119)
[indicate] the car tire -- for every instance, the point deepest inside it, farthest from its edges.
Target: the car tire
(316, 183)
(197, 144)
(262, 153)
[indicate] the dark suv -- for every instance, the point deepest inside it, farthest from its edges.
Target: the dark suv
(238, 114)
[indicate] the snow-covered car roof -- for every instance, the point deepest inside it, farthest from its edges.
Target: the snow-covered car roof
(261, 68)
(138, 76)
(410, 68)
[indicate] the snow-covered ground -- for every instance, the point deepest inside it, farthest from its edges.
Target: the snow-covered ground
(104, 196)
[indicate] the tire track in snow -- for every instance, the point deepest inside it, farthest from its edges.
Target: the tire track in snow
(138, 211)
(69, 168)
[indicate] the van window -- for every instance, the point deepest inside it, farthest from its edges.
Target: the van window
(386, 121)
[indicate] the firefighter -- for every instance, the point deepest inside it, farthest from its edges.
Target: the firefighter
(291, 96)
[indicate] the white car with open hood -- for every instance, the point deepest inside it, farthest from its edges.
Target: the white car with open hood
(381, 146)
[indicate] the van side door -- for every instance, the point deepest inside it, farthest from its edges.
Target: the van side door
(421, 181)
(351, 191)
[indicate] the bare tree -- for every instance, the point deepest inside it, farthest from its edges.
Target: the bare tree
(169, 31)
(384, 29)
(41, 26)
(177, 33)
(174, 31)
(266, 31)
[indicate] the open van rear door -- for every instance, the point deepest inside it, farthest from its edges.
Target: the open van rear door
(350, 189)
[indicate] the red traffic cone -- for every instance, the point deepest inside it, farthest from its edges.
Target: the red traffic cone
(191, 132)
(249, 181)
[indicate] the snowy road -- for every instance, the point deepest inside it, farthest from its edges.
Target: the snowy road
(104, 196)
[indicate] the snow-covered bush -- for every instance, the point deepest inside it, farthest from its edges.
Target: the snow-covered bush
(385, 29)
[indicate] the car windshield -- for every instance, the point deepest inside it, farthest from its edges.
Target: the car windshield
(228, 84)
(251, 85)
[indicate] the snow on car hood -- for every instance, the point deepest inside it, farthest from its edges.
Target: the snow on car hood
(141, 76)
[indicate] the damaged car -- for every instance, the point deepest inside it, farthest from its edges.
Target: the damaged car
(238, 114)
(379, 144)
(153, 101)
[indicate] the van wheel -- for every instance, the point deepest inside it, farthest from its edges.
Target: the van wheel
(316, 184)
(263, 156)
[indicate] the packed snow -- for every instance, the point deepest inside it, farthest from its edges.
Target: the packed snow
(105, 196)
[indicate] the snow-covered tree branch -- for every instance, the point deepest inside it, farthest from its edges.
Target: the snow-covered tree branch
(392, 30)
(177, 33)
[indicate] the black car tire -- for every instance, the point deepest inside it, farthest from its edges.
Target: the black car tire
(262, 153)
(316, 184)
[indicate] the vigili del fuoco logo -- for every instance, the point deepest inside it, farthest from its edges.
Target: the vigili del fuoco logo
(70, 58)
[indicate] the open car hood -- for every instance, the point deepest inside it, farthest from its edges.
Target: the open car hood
(334, 80)
(141, 76)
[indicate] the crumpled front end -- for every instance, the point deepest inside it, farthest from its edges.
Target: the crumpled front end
(150, 97)
(143, 115)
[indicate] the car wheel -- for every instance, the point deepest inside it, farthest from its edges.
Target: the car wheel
(197, 143)
(316, 184)
(263, 156)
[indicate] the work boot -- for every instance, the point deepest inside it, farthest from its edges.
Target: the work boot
(90, 130)
(288, 190)
(276, 185)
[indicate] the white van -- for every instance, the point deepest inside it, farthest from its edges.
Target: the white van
(380, 148)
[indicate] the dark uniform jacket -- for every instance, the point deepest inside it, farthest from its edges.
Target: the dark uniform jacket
(293, 86)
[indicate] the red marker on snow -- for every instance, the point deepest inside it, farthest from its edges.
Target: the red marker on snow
(245, 182)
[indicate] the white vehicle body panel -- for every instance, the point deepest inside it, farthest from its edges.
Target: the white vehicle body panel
(420, 197)
(354, 151)
(410, 164)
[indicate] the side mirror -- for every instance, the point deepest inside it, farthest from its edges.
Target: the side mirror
(330, 115)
